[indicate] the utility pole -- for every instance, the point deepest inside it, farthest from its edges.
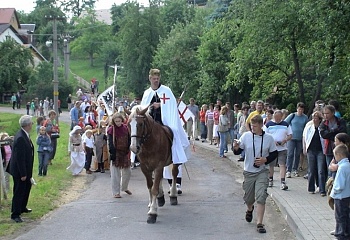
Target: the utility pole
(55, 64)
(66, 41)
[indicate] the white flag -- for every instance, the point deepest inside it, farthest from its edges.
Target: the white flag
(107, 99)
(184, 113)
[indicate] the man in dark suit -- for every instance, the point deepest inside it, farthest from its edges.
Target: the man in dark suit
(21, 168)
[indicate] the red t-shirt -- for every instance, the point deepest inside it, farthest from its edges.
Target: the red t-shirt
(202, 116)
(216, 117)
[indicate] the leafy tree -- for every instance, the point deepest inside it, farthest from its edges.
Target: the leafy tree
(176, 11)
(176, 57)
(40, 84)
(91, 35)
(221, 8)
(287, 49)
(118, 13)
(137, 38)
(214, 56)
(15, 66)
(76, 7)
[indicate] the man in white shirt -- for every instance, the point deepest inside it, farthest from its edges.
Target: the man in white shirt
(260, 150)
(281, 133)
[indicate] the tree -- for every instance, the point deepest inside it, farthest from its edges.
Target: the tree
(176, 56)
(76, 7)
(40, 84)
(137, 39)
(91, 35)
(176, 11)
(16, 63)
(214, 56)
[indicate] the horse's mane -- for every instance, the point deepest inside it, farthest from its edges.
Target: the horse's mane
(140, 108)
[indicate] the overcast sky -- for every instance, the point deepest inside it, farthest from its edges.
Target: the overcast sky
(28, 5)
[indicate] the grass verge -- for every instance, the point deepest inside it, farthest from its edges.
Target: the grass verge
(45, 196)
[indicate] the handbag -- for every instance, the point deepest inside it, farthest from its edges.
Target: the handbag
(222, 128)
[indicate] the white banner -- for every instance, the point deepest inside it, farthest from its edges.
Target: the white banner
(184, 113)
(107, 99)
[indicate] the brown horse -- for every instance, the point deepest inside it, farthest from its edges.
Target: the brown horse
(152, 142)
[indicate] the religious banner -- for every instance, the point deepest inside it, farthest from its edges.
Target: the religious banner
(107, 99)
(184, 113)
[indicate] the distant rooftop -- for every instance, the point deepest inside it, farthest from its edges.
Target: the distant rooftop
(102, 15)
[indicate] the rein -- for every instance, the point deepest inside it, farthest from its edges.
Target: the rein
(145, 135)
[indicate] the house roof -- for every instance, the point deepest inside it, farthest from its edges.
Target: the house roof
(30, 46)
(28, 27)
(6, 15)
(102, 15)
(4, 27)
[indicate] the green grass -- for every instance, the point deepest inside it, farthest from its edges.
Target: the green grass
(82, 68)
(43, 197)
(9, 123)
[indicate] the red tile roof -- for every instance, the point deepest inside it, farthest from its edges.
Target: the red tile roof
(6, 15)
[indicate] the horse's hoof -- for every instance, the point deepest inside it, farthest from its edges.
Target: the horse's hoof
(173, 200)
(152, 218)
(161, 201)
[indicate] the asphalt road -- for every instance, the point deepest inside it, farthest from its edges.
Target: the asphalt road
(211, 207)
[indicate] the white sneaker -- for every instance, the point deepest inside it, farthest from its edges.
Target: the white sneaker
(295, 173)
(284, 186)
(332, 232)
(288, 175)
(270, 183)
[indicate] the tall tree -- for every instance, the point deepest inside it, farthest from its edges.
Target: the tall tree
(138, 37)
(91, 34)
(16, 63)
(76, 7)
(176, 56)
(176, 11)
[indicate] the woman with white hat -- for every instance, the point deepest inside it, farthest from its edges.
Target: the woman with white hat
(76, 151)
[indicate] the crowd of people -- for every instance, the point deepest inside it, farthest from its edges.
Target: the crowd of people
(263, 136)
(266, 137)
(35, 107)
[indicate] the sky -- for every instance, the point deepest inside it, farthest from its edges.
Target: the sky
(28, 5)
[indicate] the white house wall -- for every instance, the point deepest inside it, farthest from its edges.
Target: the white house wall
(9, 33)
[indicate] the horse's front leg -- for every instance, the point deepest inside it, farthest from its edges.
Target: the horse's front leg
(173, 190)
(152, 213)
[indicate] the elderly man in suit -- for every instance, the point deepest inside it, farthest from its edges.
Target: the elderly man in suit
(21, 168)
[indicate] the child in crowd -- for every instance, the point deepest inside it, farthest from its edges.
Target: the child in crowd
(341, 192)
(39, 122)
(100, 145)
(44, 150)
(119, 142)
(88, 144)
(6, 152)
(87, 127)
(76, 151)
(81, 123)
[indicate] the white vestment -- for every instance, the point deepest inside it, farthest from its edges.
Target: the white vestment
(170, 117)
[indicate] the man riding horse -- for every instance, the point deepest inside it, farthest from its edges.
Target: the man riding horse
(163, 109)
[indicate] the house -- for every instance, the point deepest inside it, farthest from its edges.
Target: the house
(10, 27)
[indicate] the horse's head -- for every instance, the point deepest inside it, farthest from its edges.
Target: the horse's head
(138, 128)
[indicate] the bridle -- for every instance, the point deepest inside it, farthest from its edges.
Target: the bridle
(144, 135)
